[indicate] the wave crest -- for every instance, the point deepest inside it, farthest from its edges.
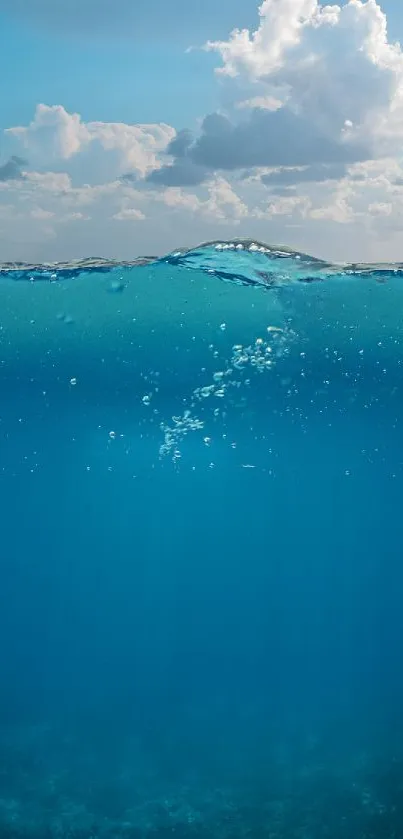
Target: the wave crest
(243, 261)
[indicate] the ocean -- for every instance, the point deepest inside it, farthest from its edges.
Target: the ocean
(201, 579)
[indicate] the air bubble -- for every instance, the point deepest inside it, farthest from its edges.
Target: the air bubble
(260, 356)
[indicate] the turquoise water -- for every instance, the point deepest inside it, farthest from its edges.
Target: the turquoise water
(201, 585)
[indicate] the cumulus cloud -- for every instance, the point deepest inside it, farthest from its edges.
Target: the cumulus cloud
(279, 138)
(312, 139)
(12, 169)
(265, 139)
(182, 172)
(129, 214)
(53, 133)
(40, 214)
(57, 183)
(316, 173)
(311, 107)
(338, 210)
(380, 208)
(56, 134)
(297, 48)
(222, 203)
(268, 103)
(285, 206)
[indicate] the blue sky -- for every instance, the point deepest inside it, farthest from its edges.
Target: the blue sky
(293, 129)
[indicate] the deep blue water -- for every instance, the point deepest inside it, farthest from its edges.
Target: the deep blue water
(201, 590)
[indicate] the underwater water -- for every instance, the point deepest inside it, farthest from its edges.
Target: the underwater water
(201, 576)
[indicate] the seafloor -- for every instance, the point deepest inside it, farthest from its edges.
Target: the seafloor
(56, 782)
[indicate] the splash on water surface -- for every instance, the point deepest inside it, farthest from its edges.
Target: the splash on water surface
(240, 260)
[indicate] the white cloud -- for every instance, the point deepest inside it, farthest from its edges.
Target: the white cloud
(312, 141)
(337, 210)
(74, 217)
(56, 134)
(87, 194)
(130, 214)
(380, 208)
(333, 64)
(285, 206)
(40, 214)
(177, 198)
(267, 103)
(139, 145)
(262, 52)
(55, 182)
(53, 133)
(320, 84)
(222, 203)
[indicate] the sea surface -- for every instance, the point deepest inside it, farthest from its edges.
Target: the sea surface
(201, 564)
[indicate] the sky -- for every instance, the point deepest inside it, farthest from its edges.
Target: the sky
(134, 127)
